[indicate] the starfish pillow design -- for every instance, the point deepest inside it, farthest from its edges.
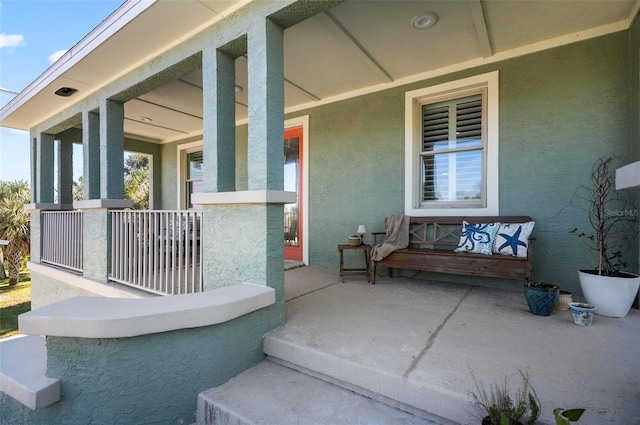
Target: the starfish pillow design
(512, 241)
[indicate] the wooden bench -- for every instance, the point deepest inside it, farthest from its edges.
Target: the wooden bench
(431, 244)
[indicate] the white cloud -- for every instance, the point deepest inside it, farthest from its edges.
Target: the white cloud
(11, 40)
(56, 55)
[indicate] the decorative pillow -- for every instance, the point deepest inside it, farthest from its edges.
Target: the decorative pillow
(477, 238)
(513, 239)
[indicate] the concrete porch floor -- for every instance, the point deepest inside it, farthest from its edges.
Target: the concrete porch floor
(416, 343)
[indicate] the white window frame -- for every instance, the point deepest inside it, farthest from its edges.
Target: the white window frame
(183, 150)
(413, 118)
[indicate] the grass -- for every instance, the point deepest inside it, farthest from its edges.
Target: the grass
(14, 300)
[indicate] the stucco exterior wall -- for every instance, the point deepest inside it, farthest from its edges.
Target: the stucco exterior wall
(634, 65)
(49, 285)
(150, 379)
(559, 110)
(46, 290)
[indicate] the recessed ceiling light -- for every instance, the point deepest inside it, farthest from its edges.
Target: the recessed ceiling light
(238, 88)
(65, 91)
(145, 119)
(424, 20)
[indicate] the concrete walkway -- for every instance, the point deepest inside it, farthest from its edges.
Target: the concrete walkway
(417, 343)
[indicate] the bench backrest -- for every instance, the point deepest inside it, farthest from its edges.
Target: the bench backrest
(444, 232)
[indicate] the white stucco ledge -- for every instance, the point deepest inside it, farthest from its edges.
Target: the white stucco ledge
(47, 206)
(628, 177)
(96, 317)
(23, 372)
(89, 204)
(245, 197)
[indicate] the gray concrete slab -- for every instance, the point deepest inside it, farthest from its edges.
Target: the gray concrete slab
(271, 394)
(417, 342)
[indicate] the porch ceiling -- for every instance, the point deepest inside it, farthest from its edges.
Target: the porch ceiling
(354, 47)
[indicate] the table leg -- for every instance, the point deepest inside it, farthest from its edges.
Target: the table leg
(341, 265)
(366, 261)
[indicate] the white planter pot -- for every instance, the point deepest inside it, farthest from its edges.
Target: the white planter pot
(613, 296)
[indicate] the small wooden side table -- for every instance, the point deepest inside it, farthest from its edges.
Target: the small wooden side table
(355, 272)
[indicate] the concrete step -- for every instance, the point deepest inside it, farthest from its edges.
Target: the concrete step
(272, 394)
(23, 372)
(370, 379)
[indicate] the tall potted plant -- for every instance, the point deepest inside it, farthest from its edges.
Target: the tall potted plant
(614, 217)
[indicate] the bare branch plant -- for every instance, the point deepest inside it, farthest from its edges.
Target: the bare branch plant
(613, 215)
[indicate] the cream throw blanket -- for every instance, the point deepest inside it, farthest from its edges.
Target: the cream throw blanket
(397, 236)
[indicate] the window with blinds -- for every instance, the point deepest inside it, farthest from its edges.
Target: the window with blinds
(194, 176)
(452, 152)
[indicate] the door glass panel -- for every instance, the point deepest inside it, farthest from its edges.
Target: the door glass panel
(291, 183)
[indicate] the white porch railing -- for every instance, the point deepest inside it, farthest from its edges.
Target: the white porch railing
(158, 251)
(62, 239)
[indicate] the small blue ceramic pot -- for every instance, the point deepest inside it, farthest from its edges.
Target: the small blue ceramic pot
(541, 297)
(582, 313)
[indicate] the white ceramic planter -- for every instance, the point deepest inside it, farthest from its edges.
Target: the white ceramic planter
(564, 298)
(613, 296)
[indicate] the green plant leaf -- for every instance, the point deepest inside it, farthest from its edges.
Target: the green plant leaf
(573, 414)
(565, 417)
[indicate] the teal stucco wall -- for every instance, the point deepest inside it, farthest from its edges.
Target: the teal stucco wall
(169, 167)
(45, 291)
(150, 379)
(634, 65)
(559, 110)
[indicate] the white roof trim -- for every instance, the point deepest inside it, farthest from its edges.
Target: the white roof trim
(115, 22)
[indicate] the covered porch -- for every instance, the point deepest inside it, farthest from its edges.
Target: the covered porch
(212, 114)
(416, 343)
(224, 85)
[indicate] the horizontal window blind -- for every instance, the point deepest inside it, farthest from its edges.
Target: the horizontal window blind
(451, 150)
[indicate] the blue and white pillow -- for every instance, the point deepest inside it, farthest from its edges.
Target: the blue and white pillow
(513, 239)
(478, 238)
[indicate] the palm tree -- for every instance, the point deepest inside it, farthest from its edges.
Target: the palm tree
(136, 180)
(14, 225)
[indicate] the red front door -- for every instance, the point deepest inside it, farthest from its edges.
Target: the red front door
(293, 183)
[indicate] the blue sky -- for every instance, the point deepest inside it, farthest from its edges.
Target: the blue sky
(33, 34)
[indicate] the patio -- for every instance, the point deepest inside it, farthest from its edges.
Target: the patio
(415, 343)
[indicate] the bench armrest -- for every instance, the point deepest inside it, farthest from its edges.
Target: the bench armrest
(375, 236)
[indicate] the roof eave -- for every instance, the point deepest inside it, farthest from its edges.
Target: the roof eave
(126, 13)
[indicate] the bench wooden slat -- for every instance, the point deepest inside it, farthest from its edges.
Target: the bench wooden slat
(433, 239)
